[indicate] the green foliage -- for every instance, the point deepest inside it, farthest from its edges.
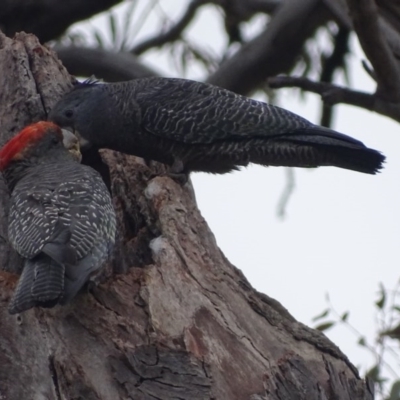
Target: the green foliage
(324, 314)
(345, 316)
(121, 29)
(186, 53)
(122, 25)
(375, 374)
(382, 299)
(395, 391)
(384, 348)
(325, 326)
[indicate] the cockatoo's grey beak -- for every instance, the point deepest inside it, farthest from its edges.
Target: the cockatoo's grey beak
(71, 143)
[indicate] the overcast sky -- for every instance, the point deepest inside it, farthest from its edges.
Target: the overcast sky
(341, 232)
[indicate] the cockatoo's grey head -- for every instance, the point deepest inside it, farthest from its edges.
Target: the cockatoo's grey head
(81, 111)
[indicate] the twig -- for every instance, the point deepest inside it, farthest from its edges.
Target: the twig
(333, 94)
(365, 17)
(142, 18)
(174, 33)
(274, 50)
(335, 61)
(238, 11)
(287, 192)
(368, 346)
(368, 69)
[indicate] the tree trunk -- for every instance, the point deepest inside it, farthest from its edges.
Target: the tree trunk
(173, 319)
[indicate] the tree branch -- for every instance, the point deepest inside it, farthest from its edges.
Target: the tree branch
(340, 10)
(335, 61)
(333, 94)
(247, 8)
(388, 23)
(47, 19)
(266, 6)
(366, 24)
(174, 32)
(274, 50)
(237, 11)
(290, 186)
(108, 65)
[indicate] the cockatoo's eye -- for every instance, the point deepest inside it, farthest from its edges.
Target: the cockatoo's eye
(69, 113)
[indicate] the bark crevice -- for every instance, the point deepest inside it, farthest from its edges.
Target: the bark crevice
(54, 377)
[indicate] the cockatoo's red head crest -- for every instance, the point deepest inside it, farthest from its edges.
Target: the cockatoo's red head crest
(16, 146)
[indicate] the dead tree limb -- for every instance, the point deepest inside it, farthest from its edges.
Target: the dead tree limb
(47, 19)
(275, 50)
(365, 18)
(172, 34)
(108, 65)
(333, 94)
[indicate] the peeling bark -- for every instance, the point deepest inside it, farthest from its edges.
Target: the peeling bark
(172, 318)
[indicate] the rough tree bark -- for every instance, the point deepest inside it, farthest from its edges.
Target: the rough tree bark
(173, 319)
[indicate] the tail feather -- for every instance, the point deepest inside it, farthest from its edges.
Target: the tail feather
(328, 136)
(22, 299)
(41, 285)
(77, 275)
(49, 281)
(317, 146)
(365, 160)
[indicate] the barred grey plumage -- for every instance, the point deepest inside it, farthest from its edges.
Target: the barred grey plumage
(61, 220)
(41, 283)
(195, 126)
